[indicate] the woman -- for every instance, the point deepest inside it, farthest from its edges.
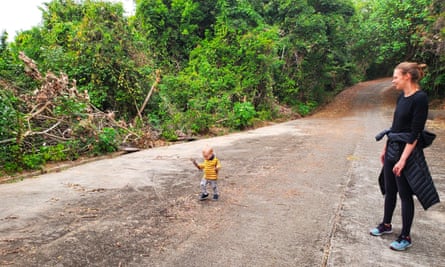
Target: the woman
(402, 155)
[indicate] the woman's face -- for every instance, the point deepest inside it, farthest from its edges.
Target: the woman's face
(400, 80)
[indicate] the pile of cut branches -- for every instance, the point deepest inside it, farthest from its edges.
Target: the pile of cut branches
(57, 122)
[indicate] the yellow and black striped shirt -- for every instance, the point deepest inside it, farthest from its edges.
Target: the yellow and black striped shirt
(209, 167)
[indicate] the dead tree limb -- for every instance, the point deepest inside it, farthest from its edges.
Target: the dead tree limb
(8, 140)
(40, 110)
(153, 88)
(30, 67)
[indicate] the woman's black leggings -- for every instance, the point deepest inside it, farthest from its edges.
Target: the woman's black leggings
(392, 186)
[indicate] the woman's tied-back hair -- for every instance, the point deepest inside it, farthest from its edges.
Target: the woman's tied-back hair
(413, 68)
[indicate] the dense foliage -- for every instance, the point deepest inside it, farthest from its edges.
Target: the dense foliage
(393, 31)
(186, 67)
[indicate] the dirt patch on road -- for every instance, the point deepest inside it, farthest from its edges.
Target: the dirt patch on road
(342, 105)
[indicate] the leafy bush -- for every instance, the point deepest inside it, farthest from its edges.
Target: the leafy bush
(33, 161)
(10, 158)
(69, 107)
(306, 108)
(9, 116)
(107, 141)
(54, 153)
(243, 115)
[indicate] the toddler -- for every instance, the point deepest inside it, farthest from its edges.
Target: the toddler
(210, 166)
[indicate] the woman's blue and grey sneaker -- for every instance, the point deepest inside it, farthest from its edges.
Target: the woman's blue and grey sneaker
(381, 229)
(402, 243)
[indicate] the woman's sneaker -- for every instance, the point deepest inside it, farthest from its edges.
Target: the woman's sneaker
(402, 243)
(381, 229)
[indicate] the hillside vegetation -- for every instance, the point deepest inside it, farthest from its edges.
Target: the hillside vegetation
(90, 79)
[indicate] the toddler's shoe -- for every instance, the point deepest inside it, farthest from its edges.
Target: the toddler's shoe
(215, 197)
(402, 243)
(203, 196)
(381, 229)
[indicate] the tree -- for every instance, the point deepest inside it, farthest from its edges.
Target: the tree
(389, 33)
(94, 44)
(394, 31)
(312, 48)
(173, 28)
(234, 66)
(432, 45)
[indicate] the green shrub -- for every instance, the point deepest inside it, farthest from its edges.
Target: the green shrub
(306, 108)
(243, 115)
(33, 161)
(9, 116)
(107, 141)
(54, 153)
(10, 158)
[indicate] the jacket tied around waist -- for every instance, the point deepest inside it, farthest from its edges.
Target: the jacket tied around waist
(416, 169)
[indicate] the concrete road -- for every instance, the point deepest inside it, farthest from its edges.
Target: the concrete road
(300, 193)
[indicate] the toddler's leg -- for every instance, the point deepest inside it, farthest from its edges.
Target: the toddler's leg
(204, 183)
(204, 194)
(214, 187)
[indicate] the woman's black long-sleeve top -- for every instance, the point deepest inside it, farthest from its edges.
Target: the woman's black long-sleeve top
(410, 115)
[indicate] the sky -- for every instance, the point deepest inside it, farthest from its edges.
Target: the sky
(19, 15)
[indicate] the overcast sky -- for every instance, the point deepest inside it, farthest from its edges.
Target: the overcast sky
(19, 15)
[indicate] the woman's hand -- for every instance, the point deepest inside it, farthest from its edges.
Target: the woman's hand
(397, 170)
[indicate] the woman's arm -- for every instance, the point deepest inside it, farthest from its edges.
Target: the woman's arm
(420, 114)
(397, 170)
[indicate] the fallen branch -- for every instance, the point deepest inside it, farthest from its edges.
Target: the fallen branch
(48, 118)
(153, 88)
(8, 140)
(30, 67)
(40, 110)
(51, 128)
